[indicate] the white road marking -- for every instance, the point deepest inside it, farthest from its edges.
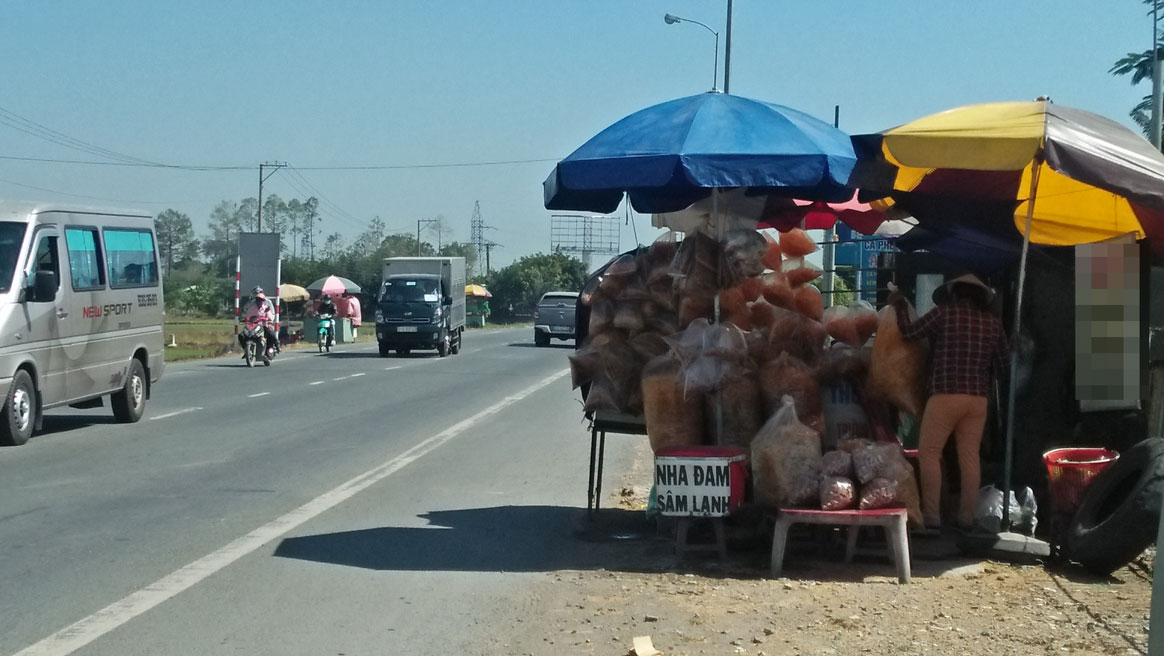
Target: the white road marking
(399, 366)
(318, 382)
(173, 414)
(85, 631)
(357, 375)
(255, 396)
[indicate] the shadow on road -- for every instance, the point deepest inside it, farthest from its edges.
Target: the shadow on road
(59, 423)
(496, 539)
(552, 345)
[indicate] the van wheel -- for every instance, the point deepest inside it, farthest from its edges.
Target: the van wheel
(385, 350)
(443, 345)
(455, 348)
(129, 403)
(19, 411)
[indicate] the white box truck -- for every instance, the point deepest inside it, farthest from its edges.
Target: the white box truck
(421, 305)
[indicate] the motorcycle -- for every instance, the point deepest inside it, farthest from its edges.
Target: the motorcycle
(326, 332)
(254, 342)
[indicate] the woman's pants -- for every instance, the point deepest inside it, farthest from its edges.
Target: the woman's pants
(963, 415)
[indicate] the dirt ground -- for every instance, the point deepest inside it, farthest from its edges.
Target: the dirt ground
(699, 605)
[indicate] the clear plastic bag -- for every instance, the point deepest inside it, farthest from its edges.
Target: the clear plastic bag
(738, 397)
(799, 271)
(777, 291)
(773, 256)
(878, 493)
(786, 461)
(841, 325)
(837, 463)
(796, 243)
(601, 314)
(886, 461)
(837, 493)
(672, 418)
(897, 367)
(628, 316)
(788, 377)
(1023, 514)
(744, 251)
(865, 320)
(751, 288)
(602, 396)
(809, 302)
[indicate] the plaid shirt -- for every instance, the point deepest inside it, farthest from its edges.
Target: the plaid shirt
(966, 342)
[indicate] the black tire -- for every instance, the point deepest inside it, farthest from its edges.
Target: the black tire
(455, 347)
(402, 351)
(1119, 514)
(129, 403)
(19, 411)
(249, 352)
(385, 350)
(321, 340)
(541, 339)
(443, 344)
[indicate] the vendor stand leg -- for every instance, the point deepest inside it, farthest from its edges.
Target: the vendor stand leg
(594, 482)
(683, 546)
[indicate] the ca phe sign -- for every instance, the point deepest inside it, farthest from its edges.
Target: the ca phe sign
(687, 486)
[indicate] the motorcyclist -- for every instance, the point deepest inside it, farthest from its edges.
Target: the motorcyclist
(261, 309)
(327, 307)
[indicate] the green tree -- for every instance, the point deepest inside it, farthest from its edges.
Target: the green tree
(176, 240)
(1139, 66)
(517, 287)
(462, 249)
(221, 247)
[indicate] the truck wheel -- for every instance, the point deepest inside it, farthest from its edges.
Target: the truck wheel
(541, 339)
(444, 344)
(385, 350)
(1120, 511)
(455, 347)
(129, 403)
(19, 410)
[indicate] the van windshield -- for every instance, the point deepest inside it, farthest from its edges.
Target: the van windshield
(410, 291)
(11, 237)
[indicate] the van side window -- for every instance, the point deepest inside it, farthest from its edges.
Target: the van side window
(131, 256)
(46, 258)
(84, 258)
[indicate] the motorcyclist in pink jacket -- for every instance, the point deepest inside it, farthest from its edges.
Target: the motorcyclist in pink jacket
(261, 309)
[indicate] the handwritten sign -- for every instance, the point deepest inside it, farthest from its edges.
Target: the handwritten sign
(694, 487)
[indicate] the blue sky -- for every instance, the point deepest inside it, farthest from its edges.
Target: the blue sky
(416, 84)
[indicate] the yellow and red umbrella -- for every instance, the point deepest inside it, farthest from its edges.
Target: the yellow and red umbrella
(1061, 176)
(478, 291)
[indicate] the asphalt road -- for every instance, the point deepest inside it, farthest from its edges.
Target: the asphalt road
(330, 504)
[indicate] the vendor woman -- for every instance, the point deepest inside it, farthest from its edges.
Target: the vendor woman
(967, 341)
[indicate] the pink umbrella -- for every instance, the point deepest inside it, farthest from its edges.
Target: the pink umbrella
(785, 214)
(333, 286)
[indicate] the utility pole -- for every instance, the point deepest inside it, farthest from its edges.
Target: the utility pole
(489, 245)
(425, 222)
(477, 232)
(727, 51)
(1157, 101)
(275, 166)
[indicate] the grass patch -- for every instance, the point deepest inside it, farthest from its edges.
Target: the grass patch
(198, 338)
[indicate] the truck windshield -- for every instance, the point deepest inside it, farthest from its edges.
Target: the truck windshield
(11, 237)
(410, 291)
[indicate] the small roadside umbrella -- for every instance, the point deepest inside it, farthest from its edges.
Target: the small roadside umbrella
(478, 291)
(670, 155)
(290, 293)
(333, 286)
(1061, 176)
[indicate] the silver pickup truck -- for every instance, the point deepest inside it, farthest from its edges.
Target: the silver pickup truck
(554, 317)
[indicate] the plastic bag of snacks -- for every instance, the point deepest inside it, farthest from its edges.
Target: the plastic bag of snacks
(773, 256)
(837, 463)
(809, 302)
(786, 461)
(788, 377)
(796, 243)
(837, 493)
(672, 418)
(841, 325)
(602, 396)
(738, 397)
(799, 271)
(878, 493)
(745, 250)
(886, 461)
(897, 366)
(797, 334)
(866, 320)
(776, 290)
(628, 316)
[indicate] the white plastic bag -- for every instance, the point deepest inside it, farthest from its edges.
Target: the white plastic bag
(988, 514)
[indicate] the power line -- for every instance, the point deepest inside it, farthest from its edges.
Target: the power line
(181, 167)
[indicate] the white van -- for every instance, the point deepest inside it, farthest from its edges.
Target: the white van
(80, 312)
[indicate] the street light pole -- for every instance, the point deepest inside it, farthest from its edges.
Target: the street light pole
(727, 51)
(671, 19)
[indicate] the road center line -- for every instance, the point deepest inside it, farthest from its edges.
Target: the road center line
(318, 382)
(255, 396)
(174, 414)
(85, 631)
(399, 366)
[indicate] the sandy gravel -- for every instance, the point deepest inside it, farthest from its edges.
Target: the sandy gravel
(699, 605)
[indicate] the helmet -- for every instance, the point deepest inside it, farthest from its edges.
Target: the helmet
(257, 290)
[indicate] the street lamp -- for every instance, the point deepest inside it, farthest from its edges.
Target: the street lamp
(671, 19)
